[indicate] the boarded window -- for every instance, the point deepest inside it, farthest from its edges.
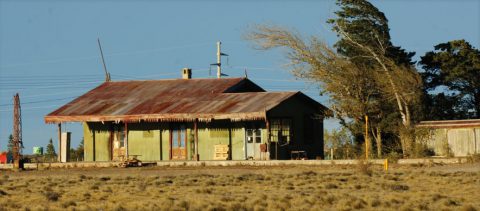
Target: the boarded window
(218, 133)
(281, 130)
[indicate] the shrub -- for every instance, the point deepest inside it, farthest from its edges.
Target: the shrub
(364, 167)
(52, 196)
(475, 158)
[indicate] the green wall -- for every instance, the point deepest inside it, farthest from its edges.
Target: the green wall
(144, 140)
(87, 143)
(152, 140)
(96, 141)
(220, 132)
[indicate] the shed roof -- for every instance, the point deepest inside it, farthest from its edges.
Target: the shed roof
(172, 100)
(465, 123)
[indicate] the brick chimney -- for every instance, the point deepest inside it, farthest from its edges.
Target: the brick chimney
(186, 73)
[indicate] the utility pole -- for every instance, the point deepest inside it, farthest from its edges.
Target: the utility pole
(107, 75)
(366, 137)
(17, 133)
(219, 59)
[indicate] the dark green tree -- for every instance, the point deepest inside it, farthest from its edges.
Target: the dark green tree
(10, 143)
(368, 26)
(79, 150)
(456, 66)
(365, 39)
(50, 153)
(375, 86)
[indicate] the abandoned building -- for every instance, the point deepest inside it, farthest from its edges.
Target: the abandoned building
(452, 137)
(194, 119)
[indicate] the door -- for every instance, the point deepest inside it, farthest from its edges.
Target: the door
(118, 148)
(178, 141)
(253, 141)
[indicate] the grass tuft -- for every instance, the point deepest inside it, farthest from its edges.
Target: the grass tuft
(52, 196)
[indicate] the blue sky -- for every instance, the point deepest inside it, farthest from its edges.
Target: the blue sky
(49, 54)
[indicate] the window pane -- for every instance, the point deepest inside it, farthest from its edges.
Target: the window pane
(249, 132)
(280, 130)
(174, 138)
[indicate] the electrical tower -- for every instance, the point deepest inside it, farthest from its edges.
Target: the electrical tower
(17, 133)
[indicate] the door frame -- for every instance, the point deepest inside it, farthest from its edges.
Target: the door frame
(254, 128)
(178, 128)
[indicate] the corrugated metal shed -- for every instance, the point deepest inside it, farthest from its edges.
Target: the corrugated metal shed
(453, 137)
(171, 100)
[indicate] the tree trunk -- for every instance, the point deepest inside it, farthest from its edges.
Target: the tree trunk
(378, 139)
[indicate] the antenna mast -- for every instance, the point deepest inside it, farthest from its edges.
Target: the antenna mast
(219, 59)
(17, 132)
(107, 75)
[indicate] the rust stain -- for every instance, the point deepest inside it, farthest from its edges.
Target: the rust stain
(170, 100)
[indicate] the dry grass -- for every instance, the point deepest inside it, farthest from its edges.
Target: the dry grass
(244, 188)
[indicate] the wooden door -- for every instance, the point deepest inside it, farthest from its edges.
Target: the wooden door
(178, 142)
(253, 140)
(118, 148)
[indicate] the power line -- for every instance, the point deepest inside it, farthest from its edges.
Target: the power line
(41, 101)
(107, 55)
(32, 108)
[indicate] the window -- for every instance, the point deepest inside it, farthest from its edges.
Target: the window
(254, 135)
(281, 130)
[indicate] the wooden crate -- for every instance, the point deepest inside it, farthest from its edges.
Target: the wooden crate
(220, 152)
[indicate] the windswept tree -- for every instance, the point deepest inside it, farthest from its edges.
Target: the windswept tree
(351, 89)
(452, 75)
(365, 39)
(361, 77)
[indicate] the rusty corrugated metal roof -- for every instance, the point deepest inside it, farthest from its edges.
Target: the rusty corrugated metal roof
(168, 100)
(465, 123)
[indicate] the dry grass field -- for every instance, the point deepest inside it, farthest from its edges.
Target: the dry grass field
(452, 187)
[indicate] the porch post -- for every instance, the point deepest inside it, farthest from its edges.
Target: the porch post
(230, 146)
(126, 140)
(59, 142)
(195, 127)
(267, 125)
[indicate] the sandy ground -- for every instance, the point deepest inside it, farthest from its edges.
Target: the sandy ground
(340, 187)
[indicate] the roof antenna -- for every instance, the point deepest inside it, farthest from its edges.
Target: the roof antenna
(246, 75)
(107, 75)
(219, 60)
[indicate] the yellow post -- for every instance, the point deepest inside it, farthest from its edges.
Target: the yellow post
(385, 164)
(366, 137)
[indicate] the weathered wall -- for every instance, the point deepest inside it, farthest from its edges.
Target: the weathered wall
(437, 141)
(149, 139)
(96, 141)
(144, 140)
(454, 141)
(87, 143)
(477, 140)
(152, 140)
(297, 110)
(220, 132)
